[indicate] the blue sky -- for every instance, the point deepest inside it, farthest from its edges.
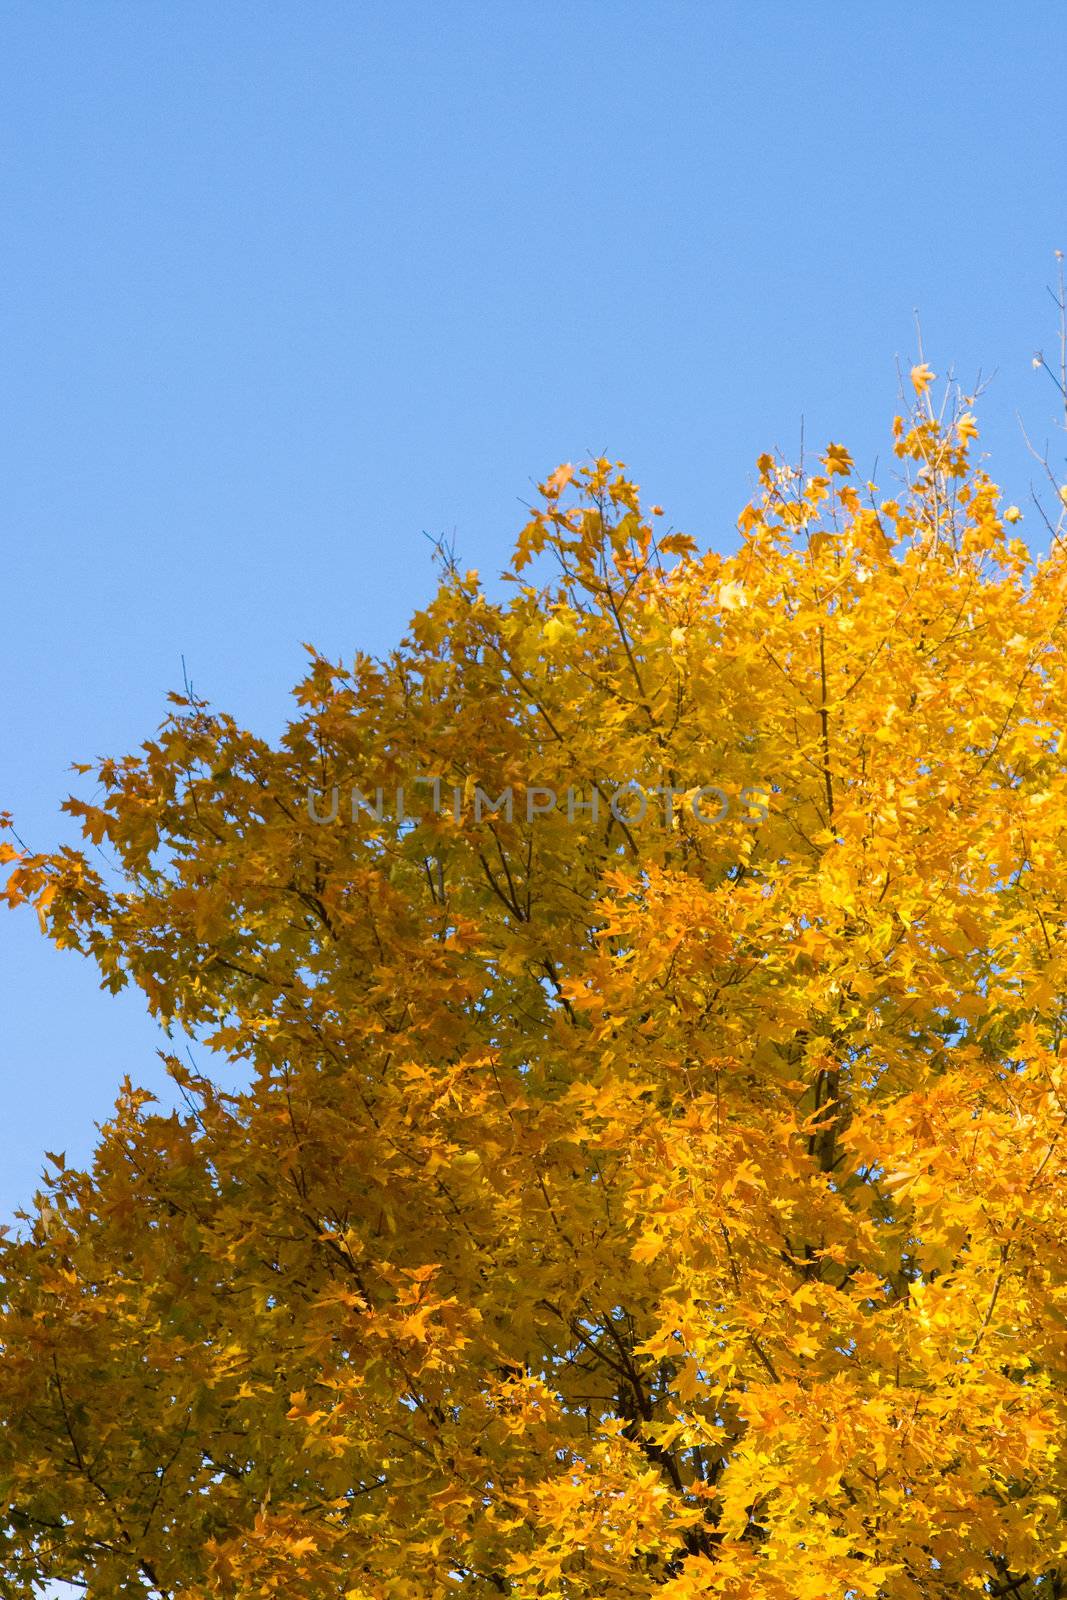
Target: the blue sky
(286, 285)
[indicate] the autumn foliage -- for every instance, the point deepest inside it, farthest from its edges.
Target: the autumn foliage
(615, 1208)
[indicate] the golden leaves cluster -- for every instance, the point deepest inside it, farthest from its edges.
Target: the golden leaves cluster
(611, 1209)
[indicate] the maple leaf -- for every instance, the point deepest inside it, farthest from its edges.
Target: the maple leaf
(558, 480)
(922, 378)
(837, 459)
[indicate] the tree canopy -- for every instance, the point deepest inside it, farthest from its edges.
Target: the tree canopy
(655, 1192)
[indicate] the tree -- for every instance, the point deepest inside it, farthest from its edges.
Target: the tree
(652, 1186)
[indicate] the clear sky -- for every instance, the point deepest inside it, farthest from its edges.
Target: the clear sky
(285, 285)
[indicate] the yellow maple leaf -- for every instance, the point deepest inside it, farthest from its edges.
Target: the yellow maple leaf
(837, 459)
(559, 480)
(922, 377)
(732, 596)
